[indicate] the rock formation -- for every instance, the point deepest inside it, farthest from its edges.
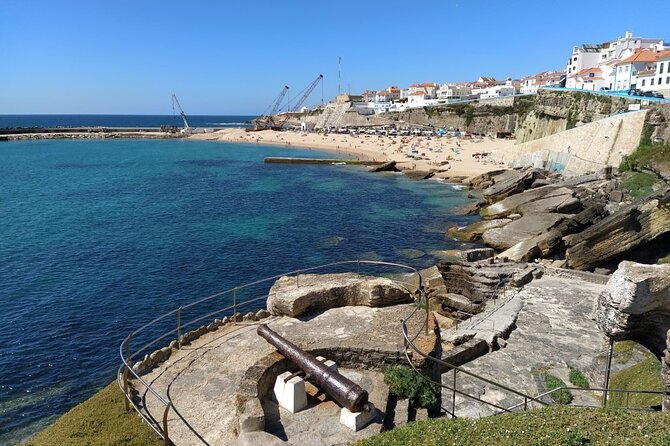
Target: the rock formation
(295, 296)
(636, 305)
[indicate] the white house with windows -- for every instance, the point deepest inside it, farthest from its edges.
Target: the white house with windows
(452, 92)
(663, 73)
(627, 71)
(602, 55)
(530, 84)
(497, 91)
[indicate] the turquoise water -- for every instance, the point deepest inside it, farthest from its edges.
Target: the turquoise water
(99, 237)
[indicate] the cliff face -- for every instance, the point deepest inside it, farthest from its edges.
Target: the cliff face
(555, 111)
(528, 117)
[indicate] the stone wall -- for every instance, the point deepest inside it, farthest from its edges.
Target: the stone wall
(587, 148)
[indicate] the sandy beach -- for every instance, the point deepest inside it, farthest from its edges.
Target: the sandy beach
(452, 158)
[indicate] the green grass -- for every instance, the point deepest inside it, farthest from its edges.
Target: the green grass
(577, 378)
(648, 153)
(562, 396)
(638, 184)
(645, 375)
(623, 351)
(555, 425)
(101, 420)
(404, 382)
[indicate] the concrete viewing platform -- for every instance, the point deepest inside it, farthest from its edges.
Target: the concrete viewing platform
(213, 382)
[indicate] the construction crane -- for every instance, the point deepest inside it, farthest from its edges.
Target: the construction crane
(305, 94)
(277, 103)
(175, 101)
(266, 120)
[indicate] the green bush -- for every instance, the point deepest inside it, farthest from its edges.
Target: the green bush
(404, 382)
(562, 396)
(577, 378)
(576, 438)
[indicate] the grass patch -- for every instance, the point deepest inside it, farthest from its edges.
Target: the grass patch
(404, 382)
(623, 351)
(645, 375)
(648, 153)
(577, 378)
(562, 396)
(553, 425)
(638, 184)
(100, 420)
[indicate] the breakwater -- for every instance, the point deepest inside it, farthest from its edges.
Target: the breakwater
(291, 160)
(85, 133)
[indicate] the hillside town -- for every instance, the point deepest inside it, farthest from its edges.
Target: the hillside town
(629, 65)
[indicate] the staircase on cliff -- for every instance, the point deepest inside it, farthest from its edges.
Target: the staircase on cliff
(332, 116)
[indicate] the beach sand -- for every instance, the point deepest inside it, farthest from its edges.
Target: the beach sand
(450, 157)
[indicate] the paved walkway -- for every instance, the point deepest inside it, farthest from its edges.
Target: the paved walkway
(554, 329)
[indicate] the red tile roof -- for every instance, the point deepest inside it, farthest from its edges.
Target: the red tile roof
(646, 55)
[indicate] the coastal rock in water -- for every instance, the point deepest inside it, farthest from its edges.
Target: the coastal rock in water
(521, 230)
(636, 305)
(386, 167)
(632, 226)
(508, 183)
(418, 174)
(475, 230)
(316, 292)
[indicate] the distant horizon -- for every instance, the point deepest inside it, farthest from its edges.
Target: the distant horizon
(71, 57)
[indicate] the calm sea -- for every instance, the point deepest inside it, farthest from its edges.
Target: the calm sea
(98, 237)
(206, 121)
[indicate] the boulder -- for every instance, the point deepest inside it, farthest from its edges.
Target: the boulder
(632, 226)
(386, 167)
(484, 180)
(511, 205)
(262, 314)
(475, 230)
(507, 183)
(636, 305)
(418, 174)
(318, 292)
(521, 230)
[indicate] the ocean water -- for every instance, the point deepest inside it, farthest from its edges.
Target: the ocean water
(99, 237)
(41, 121)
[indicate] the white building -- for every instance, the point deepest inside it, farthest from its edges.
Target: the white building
(452, 92)
(642, 62)
(530, 84)
(663, 73)
(497, 91)
(590, 79)
(601, 55)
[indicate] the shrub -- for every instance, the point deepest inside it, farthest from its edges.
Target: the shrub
(562, 396)
(576, 438)
(577, 378)
(404, 382)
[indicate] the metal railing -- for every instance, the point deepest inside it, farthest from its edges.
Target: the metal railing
(526, 400)
(409, 344)
(127, 375)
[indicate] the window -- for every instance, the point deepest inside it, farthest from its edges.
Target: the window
(652, 81)
(574, 59)
(667, 80)
(660, 68)
(643, 81)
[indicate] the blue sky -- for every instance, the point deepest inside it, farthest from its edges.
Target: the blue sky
(224, 57)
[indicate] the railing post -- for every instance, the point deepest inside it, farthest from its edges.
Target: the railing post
(234, 305)
(126, 347)
(627, 398)
(125, 388)
(610, 350)
(358, 266)
(525, 403)
(165, 424)
(179, 327)
(297, 280)
(453, 397)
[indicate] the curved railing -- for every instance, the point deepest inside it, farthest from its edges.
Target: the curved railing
(525, 400)
(409, 344)
(205, 309)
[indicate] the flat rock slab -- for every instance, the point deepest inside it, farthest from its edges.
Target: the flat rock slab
(553, 328)
(203, 377)
(297, 295)
(510, 205)
(522, 229)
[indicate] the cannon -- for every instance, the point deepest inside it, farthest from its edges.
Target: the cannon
(340, 388)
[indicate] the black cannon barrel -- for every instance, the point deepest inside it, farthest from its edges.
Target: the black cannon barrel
(340, 388)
